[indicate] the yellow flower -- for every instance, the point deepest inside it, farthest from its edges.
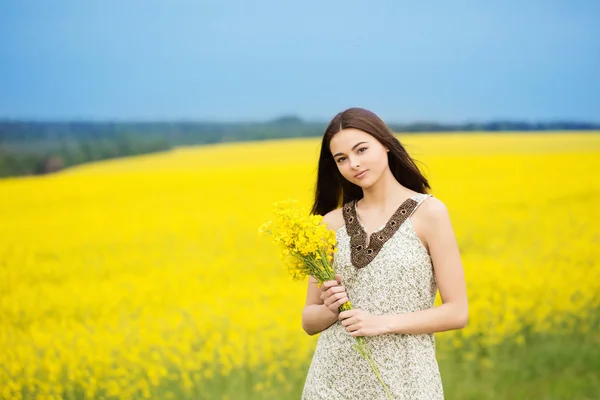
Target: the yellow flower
(303, 237)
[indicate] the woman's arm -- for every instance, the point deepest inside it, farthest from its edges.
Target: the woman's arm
(443, 248)
(316, 316)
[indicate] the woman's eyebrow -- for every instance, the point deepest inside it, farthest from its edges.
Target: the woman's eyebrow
(353, 147)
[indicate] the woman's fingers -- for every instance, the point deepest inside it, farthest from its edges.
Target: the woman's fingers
(336, 301)
(333, 294)
(328, 284)
(335, 289)
(341, 301)
(338, 296)
(338, 279)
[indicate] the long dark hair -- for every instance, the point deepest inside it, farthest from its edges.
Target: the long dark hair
(332, 189)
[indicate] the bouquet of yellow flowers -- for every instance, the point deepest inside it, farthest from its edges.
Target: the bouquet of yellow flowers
(307, 247)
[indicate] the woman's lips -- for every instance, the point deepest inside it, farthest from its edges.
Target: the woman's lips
(361, 175)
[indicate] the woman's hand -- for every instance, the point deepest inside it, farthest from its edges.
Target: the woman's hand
(362, 323)
(333, 294)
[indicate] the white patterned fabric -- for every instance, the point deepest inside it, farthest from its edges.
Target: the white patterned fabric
(399, 279)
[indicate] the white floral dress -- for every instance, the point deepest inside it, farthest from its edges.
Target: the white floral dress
(393, 274)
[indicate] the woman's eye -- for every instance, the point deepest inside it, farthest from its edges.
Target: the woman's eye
(341, 159)
(361, 149)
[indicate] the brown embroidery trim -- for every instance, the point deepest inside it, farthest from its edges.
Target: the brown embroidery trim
(361, 255)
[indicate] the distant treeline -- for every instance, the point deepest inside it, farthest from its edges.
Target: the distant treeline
(28, 148)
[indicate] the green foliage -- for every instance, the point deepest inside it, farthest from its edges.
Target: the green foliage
(46, 156)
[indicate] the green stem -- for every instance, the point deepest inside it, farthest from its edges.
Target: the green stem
(364, 351)
(367, 355)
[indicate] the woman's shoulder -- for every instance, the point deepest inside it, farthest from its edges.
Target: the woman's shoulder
(432, 211)
(432, 205)
(334, 219)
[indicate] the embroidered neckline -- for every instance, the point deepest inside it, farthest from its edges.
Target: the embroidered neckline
(361, 254)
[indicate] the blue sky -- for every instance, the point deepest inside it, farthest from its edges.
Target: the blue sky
(253, 60)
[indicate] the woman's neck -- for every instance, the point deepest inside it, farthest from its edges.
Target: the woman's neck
(384, 193)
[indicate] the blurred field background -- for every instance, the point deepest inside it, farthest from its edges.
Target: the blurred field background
(145, 277)
(142, 143)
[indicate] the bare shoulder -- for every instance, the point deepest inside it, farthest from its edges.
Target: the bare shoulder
(433, 209)
(334, 219)
(431, 220)
(435, 216)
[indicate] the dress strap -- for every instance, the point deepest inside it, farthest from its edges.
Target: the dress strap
(419, 198)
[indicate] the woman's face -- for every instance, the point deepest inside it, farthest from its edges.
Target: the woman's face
(360, 158)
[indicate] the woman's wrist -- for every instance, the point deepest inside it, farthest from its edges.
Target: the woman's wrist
(392, 323)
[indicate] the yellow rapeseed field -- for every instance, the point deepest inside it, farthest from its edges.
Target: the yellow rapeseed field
(146, 278)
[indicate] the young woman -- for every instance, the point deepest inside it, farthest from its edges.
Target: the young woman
(396, 247)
